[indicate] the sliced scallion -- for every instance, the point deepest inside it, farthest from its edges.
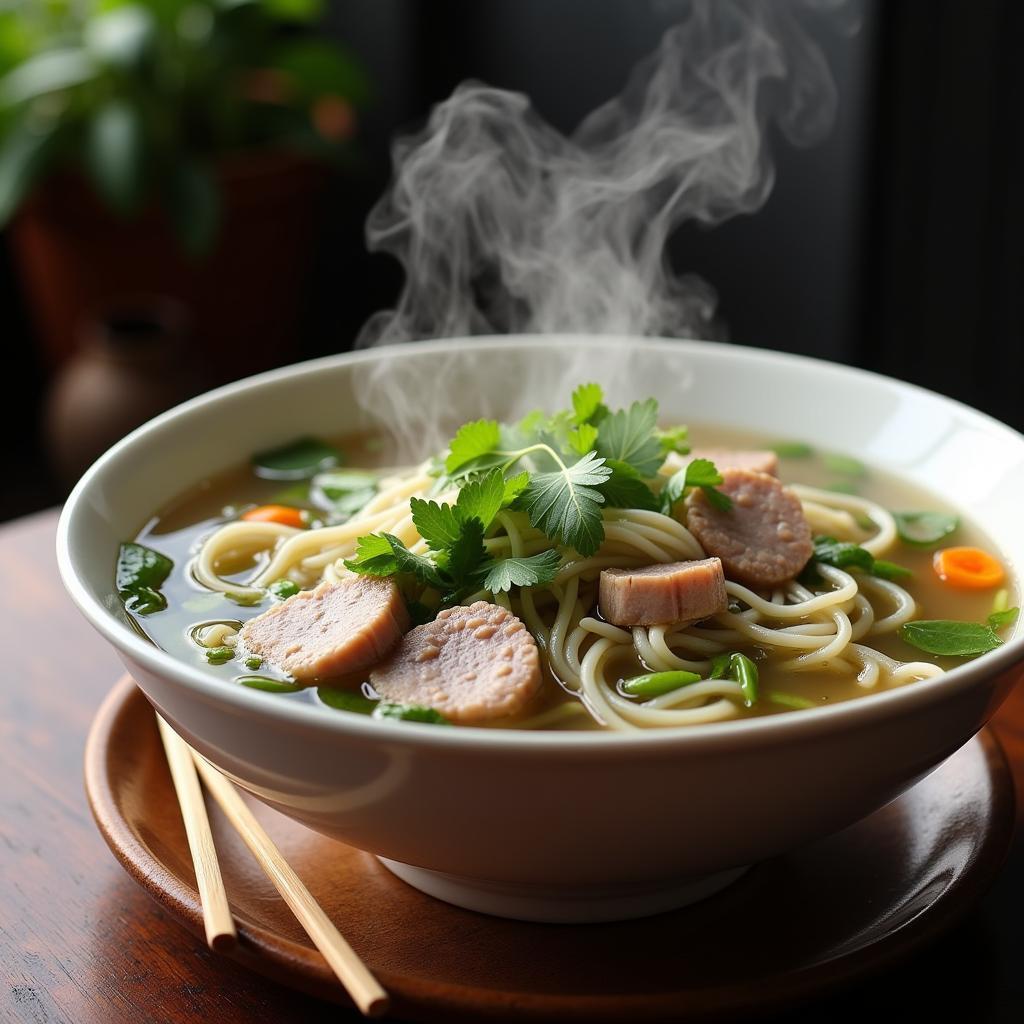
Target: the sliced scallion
(653, 684)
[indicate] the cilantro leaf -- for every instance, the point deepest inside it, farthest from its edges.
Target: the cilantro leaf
(702, 473)
(514, 486)
(696, 473)
(1005, 617)
(416, 565)
(845, 555)
(482, 498)
(674, 439)
(531, 571)
(565, 505)
(628, 436)
(374, 556)
(473, 440)
(439, 525)
(588, 405)
(626, 489)
(582, 439)
(466, 554)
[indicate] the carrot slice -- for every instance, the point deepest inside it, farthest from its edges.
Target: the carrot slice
(969, 568)
(282, 514)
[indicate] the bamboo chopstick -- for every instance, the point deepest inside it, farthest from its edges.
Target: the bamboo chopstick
(361, 985)
(220, 925)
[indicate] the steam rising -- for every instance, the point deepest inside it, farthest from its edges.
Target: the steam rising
(504, 225)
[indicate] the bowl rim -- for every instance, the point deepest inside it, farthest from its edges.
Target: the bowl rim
(769, 728)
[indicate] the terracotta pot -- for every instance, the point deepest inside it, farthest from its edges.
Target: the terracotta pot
(245, 297)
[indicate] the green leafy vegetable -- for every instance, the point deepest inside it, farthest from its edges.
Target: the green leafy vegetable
(439, 525)
(219, 655)
(700, 473)
(483, 497)
(284, 588)
(299, 460)
(252, 662)
(792, 450)
(845, 555)
(626, 489)
(843, 464)
(346, 700)
(719, 666)
(790, 700)
(343, 492)
(268, 684)
(473, 441)
(655, 683)
(924, 529)
(531, 571)
(409, 713)
(949, 637)
(582, 439)
(140, 574)
(628, 436)
(674, 439)
(464, 557)
(588, 405)
(565, 504)
(1005, 617)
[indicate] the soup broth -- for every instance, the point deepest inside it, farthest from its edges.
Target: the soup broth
(179, 531)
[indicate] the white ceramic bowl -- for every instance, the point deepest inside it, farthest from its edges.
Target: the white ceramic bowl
(560, 826)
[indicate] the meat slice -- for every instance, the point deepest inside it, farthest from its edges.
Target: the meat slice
(764, 539)
(660, 594)
(473, 663)
(329, 631)
(760, 461)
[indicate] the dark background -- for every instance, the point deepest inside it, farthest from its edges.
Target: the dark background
(894, 245)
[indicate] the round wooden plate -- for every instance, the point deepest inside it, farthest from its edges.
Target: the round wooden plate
(787, 930)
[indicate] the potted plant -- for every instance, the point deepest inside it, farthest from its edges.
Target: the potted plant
(170, 147)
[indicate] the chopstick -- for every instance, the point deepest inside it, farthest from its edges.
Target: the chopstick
(362, 986)
(217, 920)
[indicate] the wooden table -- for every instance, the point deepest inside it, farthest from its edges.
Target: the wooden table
(81, 943)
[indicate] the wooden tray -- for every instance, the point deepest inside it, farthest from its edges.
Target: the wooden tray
(789, 929)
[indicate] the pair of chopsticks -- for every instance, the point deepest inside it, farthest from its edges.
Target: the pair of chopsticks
(187, 766)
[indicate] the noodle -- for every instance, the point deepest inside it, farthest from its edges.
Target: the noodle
(801, 629)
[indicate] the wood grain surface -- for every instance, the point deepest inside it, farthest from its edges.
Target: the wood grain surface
(81, 943)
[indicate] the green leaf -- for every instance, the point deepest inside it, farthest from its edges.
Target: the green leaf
(628, 436)
(1005, 617)
(674, 439)
(514, 486)
(346, 700)
(696, 473)
(720, 666)
(889, 570)
(951, 638)
(625, 488)
(115, 154)
(473, 440)
(439, 525)
(419, 566)
(653, 684)
(219, 655)
(588, 406)
(193, 200)
(483, 497)
(46, 72)
(924, 529)
(284, 589)
(24, 152)
(268, 685)
(565, 505)
(298, 460)
(530, 571)
(842, 554)
(140, 573)
(792, 450)
(582, 439)
(466, 554)
(253, 662)
(409, 713)
(843, 464)
(701, 473)
(374, 556)
(744, 671)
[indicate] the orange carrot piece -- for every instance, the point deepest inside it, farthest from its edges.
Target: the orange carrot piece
(282, 514)
(968, 568)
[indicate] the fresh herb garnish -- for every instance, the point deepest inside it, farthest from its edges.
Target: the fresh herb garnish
(299, 460)
(845, 555)
(949, 637)
(268, 685)
(924, 529)
(628, 436)
(1005, 617)
(253, 662)
(342, 492)
(141, 572)
(530, 571)
(740, 669)
(219, 655)
(700, 473)
(346, 700)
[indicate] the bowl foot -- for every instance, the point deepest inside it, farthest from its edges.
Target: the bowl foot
(555, 905)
